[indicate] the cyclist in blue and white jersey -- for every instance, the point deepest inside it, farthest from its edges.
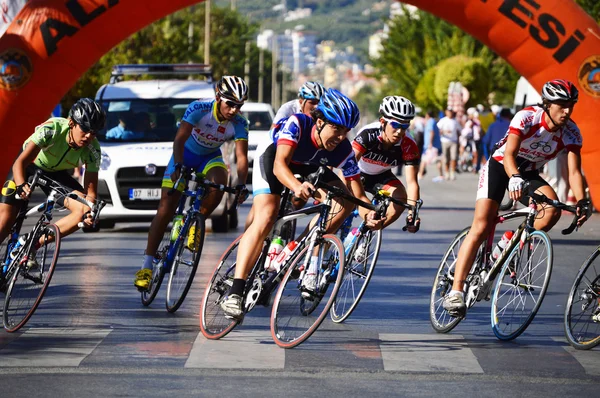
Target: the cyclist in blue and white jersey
(298, 148)
(205, 126)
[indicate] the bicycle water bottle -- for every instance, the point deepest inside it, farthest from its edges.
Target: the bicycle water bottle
(275, 248)
(501, 245)
(283, 256)
(192, 239)
(177, 224)
(350, 237)
(20, 242)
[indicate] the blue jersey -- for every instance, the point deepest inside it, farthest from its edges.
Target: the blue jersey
(297, 130)
(208, 134)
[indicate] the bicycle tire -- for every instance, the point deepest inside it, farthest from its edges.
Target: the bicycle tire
(582, 303)
(347, 298)
(441, 321)
(158, 269)
(213, 322)
(516, 278)
(26, 290)
(289, 288)
(183, 271)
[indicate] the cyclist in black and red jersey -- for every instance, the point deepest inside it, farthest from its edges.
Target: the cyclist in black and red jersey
(382, 145)
(536, 135)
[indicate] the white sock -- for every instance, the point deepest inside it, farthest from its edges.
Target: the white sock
(456, 292)
(147, 262)
(312, 268)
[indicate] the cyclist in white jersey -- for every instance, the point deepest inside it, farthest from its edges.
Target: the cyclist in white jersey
(536, 135)
(205, 126)
(308, 98)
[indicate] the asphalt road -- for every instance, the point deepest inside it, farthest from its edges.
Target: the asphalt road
(91, 336)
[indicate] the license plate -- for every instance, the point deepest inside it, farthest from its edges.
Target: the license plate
(144, 194)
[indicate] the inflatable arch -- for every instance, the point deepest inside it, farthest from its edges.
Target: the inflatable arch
(49, 44)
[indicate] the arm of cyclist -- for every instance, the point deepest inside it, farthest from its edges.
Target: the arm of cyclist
(241, 153)
(23, 160)
(413, 194)
(282, 171)
(577, 184)
(356, 187)
(515, 183)
(183, 133)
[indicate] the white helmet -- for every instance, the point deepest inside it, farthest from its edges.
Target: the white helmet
(396, 107)
(232, 88)
(311, 91)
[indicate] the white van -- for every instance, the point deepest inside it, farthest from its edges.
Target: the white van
(142, 119)
(260, 116)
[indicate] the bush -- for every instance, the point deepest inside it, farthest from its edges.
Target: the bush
(472, 73)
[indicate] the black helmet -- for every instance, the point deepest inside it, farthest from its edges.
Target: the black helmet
(88, 114)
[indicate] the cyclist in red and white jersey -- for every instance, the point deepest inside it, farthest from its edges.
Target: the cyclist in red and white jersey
(536, 135)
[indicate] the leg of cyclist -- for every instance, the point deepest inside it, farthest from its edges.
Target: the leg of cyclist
(548, 215)
(8, 215)
(215, 171)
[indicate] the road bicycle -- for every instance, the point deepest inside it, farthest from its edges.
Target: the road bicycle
(361, 254)
(582, 319)
(516, 281)
(294, 318)
(179, 252)
(26, 268)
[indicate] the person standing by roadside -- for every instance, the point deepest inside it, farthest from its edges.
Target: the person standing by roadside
(449, 133)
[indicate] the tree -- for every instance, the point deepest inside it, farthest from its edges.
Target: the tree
(166, 41)
(592, 7)
(472, 73)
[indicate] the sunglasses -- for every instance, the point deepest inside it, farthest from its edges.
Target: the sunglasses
(397, 125)
(232, 104)
(86, 131)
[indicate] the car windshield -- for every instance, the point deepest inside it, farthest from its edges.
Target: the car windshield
(259, 120)
(143, 120)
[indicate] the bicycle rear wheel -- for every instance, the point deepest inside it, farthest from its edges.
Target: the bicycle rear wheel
(441, 320)
(213, 322)
(185, 264)
(357, 274)
(293, 318)
(581, 330)
(30, 281)
(521, 286)
(158, 269)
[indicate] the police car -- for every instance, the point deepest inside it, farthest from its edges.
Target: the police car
(142, 119)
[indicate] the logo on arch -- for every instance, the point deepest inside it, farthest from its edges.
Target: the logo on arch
(15, 69)
(589, 76)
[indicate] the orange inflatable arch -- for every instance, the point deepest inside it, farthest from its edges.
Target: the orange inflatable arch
(49, 44)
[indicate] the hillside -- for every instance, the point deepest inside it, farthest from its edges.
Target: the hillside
(347, 22)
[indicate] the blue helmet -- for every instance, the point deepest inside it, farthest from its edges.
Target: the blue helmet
(339, 109)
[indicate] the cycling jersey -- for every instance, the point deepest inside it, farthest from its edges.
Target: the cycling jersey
(297, 132)
(375, 159)
(52, 137)
(288, 109)
(208, 134)
(539, 145)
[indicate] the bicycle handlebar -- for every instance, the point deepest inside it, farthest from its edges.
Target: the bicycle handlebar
(187, 173)
(414, 208)
(315, 179)
(541, 198)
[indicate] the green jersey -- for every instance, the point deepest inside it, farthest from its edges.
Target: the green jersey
(56, 154)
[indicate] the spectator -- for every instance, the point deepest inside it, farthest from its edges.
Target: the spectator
(449, 132)
(432, 147)
(496, 131)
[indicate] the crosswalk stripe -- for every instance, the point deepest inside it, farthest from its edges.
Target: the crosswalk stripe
(45, 347)
(427, 353)
(587, 359)
(244, 349)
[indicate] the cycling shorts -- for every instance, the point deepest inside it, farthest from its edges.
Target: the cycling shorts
(9, 190)
(493, 182)
(388, 179)
(201, 163)
(265, 182)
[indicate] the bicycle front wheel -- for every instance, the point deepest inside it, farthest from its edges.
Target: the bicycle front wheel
(521, 286)
(185, 264)
(294, 318)
(441, 320)
(213, 322)
(31, 279)
(581, 330)
(158, 269)
(360, 265)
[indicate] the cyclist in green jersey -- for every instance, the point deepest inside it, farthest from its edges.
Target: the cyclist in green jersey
(57, 146)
